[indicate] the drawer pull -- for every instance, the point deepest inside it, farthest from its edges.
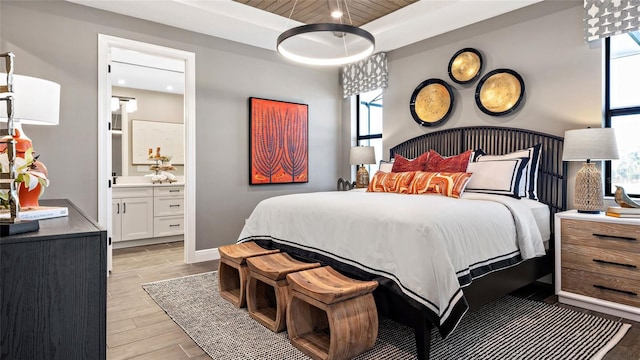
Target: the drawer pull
(616, 290)
(174, 225)
(174, 190)
(614, 237)
(174, 205)
(614, 263)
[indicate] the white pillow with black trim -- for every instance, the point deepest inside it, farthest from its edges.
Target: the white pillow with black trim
(501, 177)
(529, 184)
(386, 166)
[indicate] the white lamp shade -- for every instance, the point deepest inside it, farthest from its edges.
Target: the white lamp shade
(35, 101)
(362, 155)
(590, 144)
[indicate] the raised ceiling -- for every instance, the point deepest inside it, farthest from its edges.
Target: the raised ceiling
(238, 22)
(355, 12)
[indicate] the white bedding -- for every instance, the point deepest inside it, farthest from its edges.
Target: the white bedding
(429, 245)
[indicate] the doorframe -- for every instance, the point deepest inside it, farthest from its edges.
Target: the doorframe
(105, 43)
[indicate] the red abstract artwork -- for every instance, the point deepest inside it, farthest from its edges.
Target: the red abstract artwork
(279, 142)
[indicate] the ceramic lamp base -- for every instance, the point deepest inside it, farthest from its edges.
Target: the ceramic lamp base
(362, 177)
(588, 196)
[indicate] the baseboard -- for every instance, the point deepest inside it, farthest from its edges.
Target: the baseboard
(206, 255)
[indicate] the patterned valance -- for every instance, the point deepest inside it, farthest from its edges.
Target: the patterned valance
(365, 75)
(604, 18)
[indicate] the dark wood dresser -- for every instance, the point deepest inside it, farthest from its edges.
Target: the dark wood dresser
(53, 289)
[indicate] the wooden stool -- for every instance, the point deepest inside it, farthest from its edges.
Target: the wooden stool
(233, 270)
(268, 290)
(331, 316)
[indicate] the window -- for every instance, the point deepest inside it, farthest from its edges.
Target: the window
(622, 110)
(369, 132)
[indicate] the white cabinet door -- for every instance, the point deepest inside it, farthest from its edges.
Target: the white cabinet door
(137, 218)
(116, 220)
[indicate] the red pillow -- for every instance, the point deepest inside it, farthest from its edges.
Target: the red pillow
(402, 164)
(457, 163)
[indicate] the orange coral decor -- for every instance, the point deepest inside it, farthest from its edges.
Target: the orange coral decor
(279, 142)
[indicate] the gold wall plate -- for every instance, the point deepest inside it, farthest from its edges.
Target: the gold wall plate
(465, 66)
(431, 102)
(499, 92)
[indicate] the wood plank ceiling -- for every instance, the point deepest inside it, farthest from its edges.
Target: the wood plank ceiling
(318, 11)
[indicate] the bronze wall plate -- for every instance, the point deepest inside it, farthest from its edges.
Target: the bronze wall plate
(499, 92)
(465, 66)
(431, 102)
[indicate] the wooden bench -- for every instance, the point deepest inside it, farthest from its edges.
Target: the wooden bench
(233, 270)
(331, 316)
(268, 289)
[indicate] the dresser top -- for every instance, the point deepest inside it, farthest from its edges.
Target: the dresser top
(75, 224)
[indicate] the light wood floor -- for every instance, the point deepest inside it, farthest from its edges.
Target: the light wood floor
(138, 329)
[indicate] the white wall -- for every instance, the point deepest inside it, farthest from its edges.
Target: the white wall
(543, 43)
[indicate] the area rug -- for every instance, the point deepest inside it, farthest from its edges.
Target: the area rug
(509, 328)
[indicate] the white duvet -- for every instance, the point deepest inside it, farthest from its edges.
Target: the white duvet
(429, 245)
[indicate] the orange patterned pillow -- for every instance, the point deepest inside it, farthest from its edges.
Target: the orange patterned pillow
(457, 163)
(397, 182)
(450, 184)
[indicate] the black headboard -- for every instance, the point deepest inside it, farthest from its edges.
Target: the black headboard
(552, 173)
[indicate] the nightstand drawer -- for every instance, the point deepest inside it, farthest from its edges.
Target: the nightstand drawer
(611, 288)
(604, 261)
(604, 235)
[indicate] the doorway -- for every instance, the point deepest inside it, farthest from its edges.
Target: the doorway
(106, 46)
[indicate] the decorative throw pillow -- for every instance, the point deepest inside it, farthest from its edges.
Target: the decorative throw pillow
(500, 177)
(402, 164)
(385, 166)
(529, 182)
(457, 163)
(397, 182)
(447, 184)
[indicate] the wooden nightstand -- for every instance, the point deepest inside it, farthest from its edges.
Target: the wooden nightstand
(598, 263)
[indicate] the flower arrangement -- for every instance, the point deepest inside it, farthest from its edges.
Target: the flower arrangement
(31, 174)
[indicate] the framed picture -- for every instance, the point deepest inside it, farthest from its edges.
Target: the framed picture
(279, 142)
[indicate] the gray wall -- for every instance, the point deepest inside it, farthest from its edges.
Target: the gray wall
(542, 42)
(57, 40)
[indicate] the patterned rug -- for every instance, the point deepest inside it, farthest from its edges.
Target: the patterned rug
(509, 328)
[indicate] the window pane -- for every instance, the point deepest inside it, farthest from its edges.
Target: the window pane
(370, 121)
(626, 171)
(625, 70)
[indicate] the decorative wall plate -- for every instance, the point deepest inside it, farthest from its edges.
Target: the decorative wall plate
(465, 66)
(431, 102)
(499, 92)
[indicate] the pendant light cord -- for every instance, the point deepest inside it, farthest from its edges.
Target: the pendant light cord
(290, 14)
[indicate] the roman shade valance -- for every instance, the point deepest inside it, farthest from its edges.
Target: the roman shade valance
(605, 18)
(365, 75)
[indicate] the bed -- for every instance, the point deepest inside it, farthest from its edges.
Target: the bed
(382, 236)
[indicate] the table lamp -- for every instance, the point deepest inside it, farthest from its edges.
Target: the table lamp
(589, 144)
(361, 155)
(26, 100)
